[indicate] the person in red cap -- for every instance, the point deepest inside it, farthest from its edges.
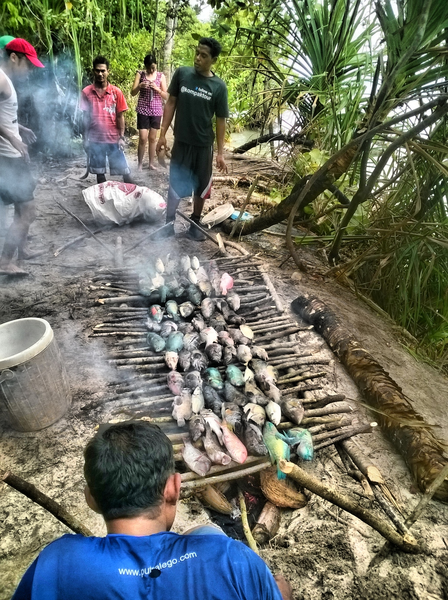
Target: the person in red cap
(16, 182)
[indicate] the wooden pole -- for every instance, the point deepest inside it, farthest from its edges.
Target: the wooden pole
(50, 505)
(407, 543)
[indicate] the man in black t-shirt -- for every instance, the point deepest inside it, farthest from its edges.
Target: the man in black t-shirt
(196, 96)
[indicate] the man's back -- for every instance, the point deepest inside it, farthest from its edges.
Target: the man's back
(163, 565)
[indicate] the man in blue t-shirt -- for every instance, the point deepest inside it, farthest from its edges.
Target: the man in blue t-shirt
(129, 469)
(197, 95)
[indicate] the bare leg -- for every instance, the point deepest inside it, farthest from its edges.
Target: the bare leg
(152, 141)
(198, 205)
(24, 215)
(142, 139)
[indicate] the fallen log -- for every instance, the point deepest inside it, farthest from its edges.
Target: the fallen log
(407, 542)
(407, 430)
(50, 505)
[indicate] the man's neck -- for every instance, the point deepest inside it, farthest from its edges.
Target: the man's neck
(101, 86)
(137, 526)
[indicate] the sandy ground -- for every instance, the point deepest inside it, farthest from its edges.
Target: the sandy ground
(324, 552)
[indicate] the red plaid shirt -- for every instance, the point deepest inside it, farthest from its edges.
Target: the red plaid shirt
(103, 112)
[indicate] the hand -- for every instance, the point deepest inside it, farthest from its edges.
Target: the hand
(221, 164)
(144, 84)
(284, 586)
(85, 145)
(161, 143)
(20, 147)
(27, 135)
(121, 144)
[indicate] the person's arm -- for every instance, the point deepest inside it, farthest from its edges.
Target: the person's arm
(27, 135)
(168, 114)
(120, 127)
(284, 586)
(15, 142)
(137, 86)
(220, 133)
(85, 129)
(162, 90)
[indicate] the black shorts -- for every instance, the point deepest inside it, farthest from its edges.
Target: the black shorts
(117, 160)
(148, 121)
(191, 170)
(16, 182)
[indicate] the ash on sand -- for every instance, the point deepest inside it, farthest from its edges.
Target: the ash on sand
(323, 551)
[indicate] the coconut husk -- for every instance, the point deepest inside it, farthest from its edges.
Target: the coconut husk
(214, 499)
(281, 492)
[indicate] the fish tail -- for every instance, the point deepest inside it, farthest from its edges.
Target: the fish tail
(180, 422)
(280, 474)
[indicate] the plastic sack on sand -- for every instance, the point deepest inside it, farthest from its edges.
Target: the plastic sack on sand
(121, 203)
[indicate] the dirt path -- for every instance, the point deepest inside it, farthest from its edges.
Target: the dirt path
(324, 552)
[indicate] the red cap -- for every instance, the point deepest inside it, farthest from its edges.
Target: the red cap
(24, 47)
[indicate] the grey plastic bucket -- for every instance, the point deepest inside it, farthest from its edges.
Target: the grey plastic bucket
(33, 379)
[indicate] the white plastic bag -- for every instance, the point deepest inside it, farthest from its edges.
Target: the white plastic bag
(121, 203)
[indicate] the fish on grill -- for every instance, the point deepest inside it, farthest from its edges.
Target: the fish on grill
(196, 427)
(214, 353)
(195, 460)
(234, 375)
(199, 361)
(253, 439)
(207, 308)
(233, 300)
(171, 360)
(186, 309)
(213, 377)
(156, 313)
(198, 323)
(232, 394)
(243, 354)
(213, 400)
(191, 341)
(255, 414)
(185, 262)
(273, 412)
(175, 341)
(213, 449)
(192, 380)
(235, 448)
(254, 393)
(194, 294)
(153, 326)
(172, 310)
(215, 423)
(155, 342)
(167, 327)
(259, 352)
(195, 264)
(228, 355)
(209, 335)
(225, 283)
(293, 409)
(232, 414)
(184, 360)
(175, 382)
(182, 408)
(197, 399)
(225, 339)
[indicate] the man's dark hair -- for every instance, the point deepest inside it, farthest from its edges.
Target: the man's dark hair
(19, 54)
(214, 45)
(100, 60)
(149, 60)
(126, 468)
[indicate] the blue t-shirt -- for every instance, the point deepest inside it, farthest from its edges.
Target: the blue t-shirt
(162, 566)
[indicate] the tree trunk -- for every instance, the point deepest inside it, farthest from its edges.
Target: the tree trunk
(281, 211)
(171, 25)
(405, 428)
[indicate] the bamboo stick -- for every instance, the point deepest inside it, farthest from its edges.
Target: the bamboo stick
(343, 434)
(121, 333)
(123, 299)
(89, 231)
(218, 469)
(228, 476)
(320, 402)
(300, 388)
(303, 377)
(406, 543)
(50, 505)
(247, 532)
(275, 336)
(272, 290)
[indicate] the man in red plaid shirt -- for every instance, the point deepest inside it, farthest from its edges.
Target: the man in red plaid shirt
(103, 106)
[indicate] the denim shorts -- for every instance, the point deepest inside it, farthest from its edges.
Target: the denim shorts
(16, 182)
(100, 154)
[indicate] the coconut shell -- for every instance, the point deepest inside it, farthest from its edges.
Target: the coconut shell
(280, 492)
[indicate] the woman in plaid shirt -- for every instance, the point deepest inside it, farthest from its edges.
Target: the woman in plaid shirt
(150, 84)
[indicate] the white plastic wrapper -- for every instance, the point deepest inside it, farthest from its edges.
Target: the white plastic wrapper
(121, 203)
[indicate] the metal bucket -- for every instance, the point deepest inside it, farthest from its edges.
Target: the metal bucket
(33, 379)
